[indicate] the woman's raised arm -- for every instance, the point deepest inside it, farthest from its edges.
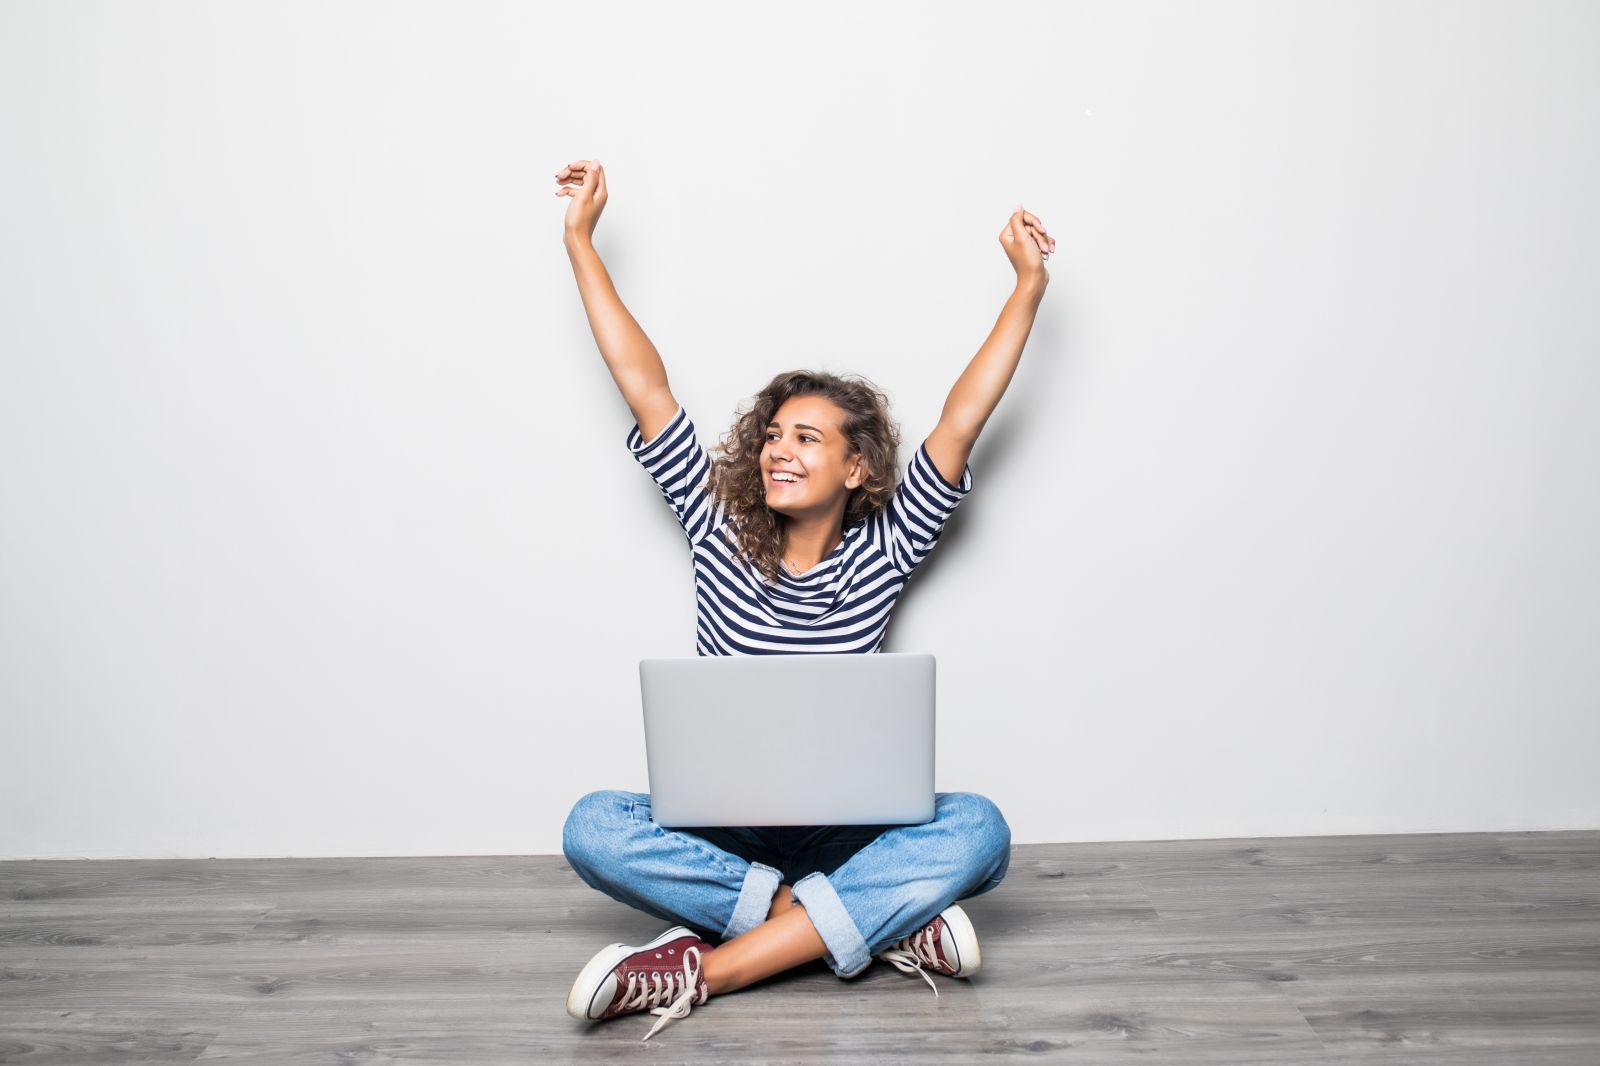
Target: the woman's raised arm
(635, 364)
(978, 390)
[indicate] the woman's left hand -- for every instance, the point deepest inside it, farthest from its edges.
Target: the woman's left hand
(1027, 244)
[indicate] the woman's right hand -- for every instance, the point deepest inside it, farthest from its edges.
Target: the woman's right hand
(588, 195)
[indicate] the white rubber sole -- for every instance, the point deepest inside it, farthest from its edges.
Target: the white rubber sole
(964, 939)
(581, 1000)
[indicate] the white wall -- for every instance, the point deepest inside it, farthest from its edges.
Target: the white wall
(320, 536)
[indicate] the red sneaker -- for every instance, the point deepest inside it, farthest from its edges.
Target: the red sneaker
(662, 976)
(947, 945)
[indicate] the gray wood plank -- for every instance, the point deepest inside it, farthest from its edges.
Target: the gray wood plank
(1426, 948)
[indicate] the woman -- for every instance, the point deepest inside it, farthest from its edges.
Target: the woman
(802, 539)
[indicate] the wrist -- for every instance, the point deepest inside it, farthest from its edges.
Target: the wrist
(1032, 285)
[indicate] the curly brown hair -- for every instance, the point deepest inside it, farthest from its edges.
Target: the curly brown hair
(736, 471)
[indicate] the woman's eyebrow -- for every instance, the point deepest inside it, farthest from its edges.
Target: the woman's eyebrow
(797, 425)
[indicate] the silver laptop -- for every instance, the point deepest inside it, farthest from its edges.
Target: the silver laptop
(798, 739)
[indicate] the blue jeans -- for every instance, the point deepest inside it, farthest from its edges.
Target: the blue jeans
(863, 887)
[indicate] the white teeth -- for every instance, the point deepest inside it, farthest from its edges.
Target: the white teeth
(781, 476)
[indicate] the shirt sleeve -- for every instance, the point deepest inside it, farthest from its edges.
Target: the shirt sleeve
(680, 467)
(910, 524)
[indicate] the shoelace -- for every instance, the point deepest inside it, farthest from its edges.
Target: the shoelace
(910, 954)
(652, 991)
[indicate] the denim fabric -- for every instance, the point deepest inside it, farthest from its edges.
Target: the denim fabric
(863, 887)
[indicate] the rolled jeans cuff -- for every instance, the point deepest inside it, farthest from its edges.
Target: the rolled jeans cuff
(755, 899)
(847, 953)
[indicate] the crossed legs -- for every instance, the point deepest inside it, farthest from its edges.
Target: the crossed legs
(898, 881)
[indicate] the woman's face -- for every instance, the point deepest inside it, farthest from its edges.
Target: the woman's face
(804, 443)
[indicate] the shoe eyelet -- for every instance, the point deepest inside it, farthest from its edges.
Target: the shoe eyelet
(658, 954)
(672, 951)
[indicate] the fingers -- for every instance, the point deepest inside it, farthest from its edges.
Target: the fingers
(578, 171)
(577, 166)
(1042, 243)
(1016, 229)
(1035, 228)
(1047, 242)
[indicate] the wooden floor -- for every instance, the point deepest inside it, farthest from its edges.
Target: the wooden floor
(1480, 948)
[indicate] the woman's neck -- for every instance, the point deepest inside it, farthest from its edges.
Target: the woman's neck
(807, 544)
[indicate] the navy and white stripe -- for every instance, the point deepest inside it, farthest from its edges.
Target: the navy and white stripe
(840, 605)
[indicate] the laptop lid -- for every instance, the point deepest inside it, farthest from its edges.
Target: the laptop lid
(795, 739)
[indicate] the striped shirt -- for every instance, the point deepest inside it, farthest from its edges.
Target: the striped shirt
(840, 605)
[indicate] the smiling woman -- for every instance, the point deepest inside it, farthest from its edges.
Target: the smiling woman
(802, 538)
